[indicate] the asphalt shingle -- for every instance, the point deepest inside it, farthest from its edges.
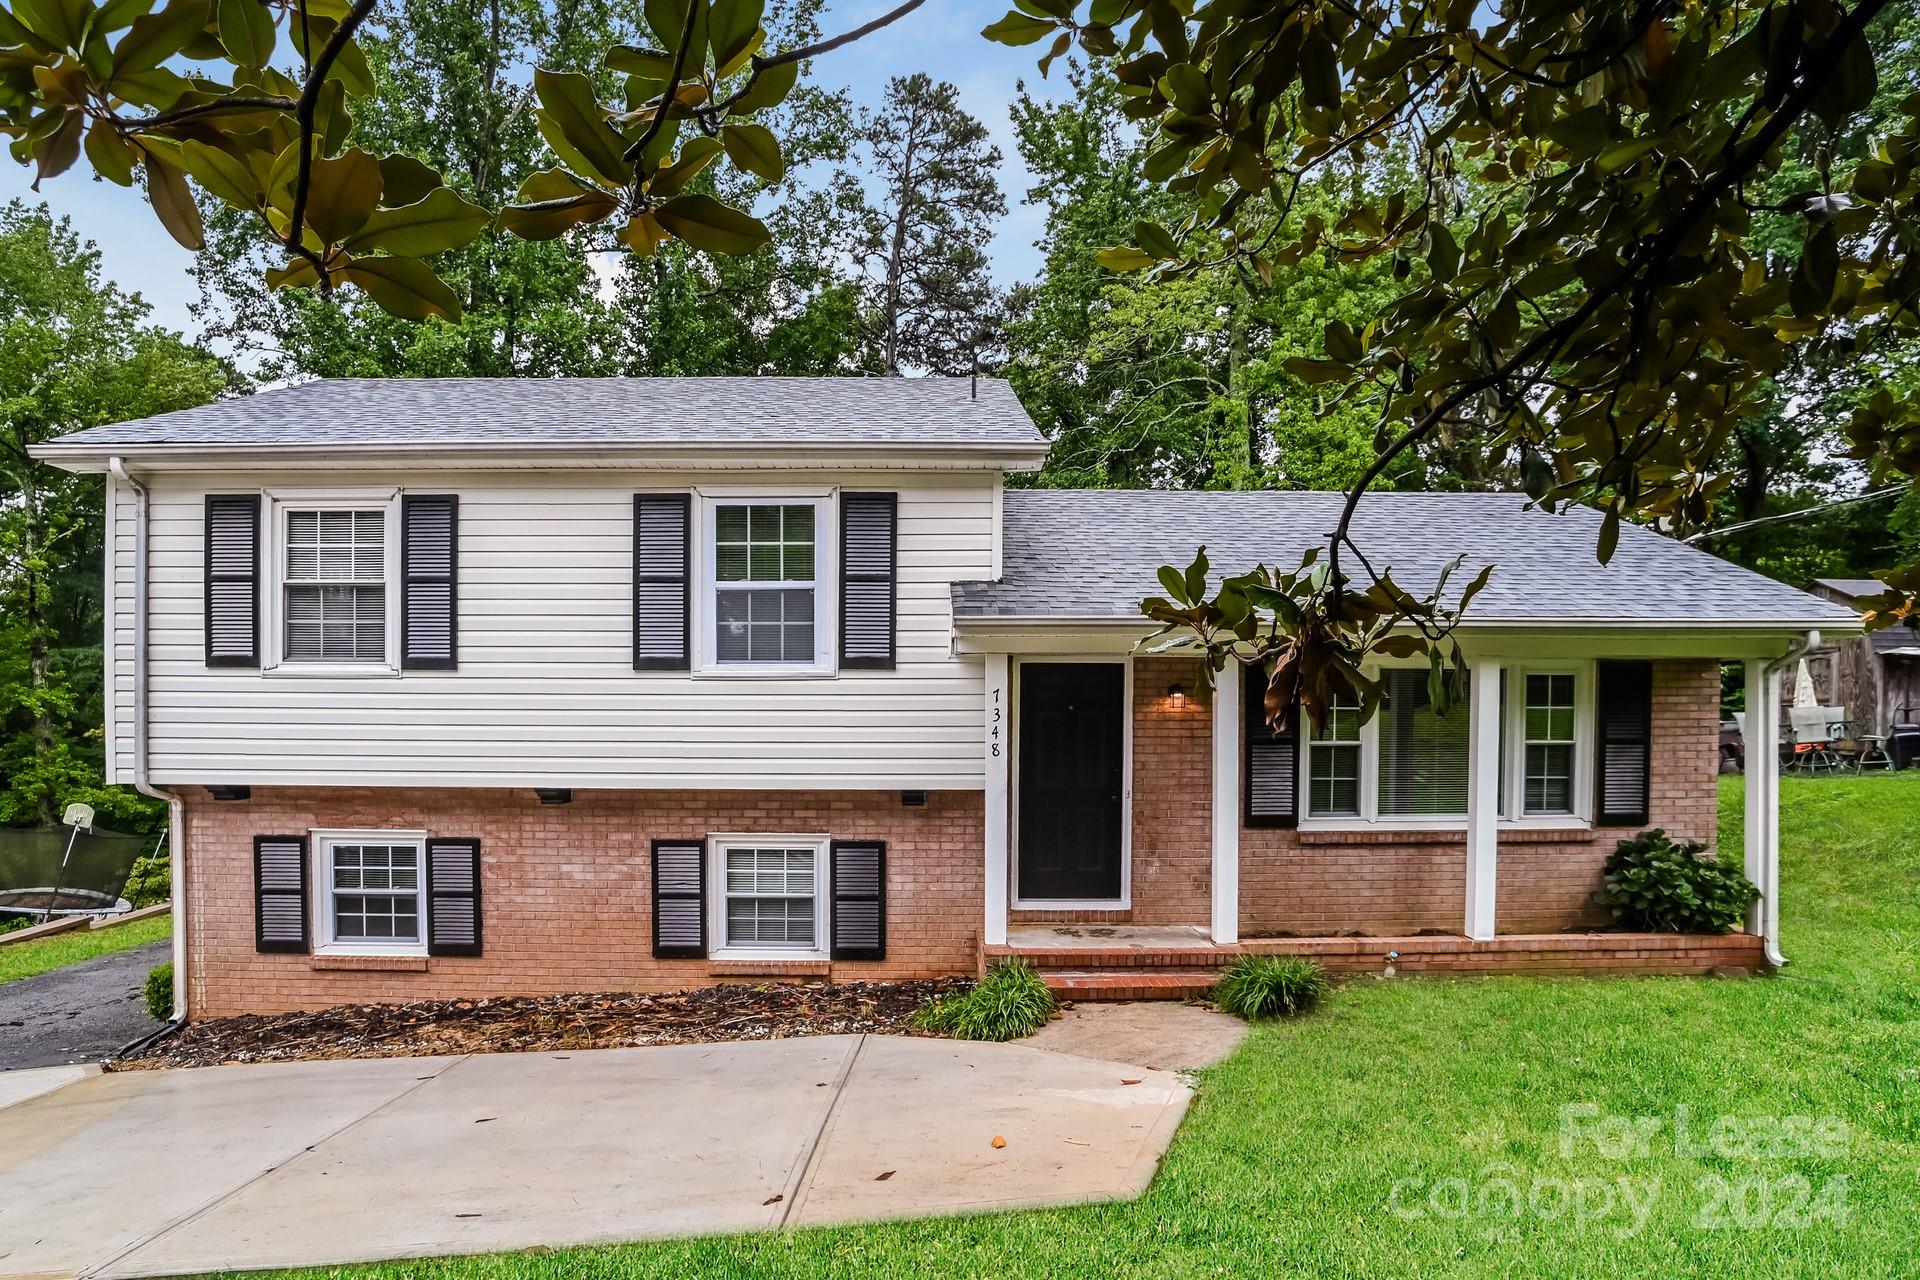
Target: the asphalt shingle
(641, 411)
(1095, 553)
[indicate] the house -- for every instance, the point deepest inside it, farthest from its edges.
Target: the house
(463, 687)
(1875, 675)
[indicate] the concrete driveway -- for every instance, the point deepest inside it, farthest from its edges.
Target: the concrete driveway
(80, 1013)
(304, 1164)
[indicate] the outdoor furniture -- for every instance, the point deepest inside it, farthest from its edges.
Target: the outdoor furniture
(1814, 739)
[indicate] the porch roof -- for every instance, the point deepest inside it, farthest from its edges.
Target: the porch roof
(1093, 555)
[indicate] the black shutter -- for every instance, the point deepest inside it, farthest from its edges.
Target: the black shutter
(859, 892)
(662, 550)
(869, 525)
(233, 579)
(1624, 709)
(1271, 761)
(453, 897)
(430, 575)
(280, 893)
(679, 899)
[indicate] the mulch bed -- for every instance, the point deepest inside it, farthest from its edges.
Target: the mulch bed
(507, 1024)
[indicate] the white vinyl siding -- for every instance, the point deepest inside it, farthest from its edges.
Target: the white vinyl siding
(546, 693)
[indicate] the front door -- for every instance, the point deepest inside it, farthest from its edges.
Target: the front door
(1072, 780)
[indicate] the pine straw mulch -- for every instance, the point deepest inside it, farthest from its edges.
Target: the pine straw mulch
(507, 1024)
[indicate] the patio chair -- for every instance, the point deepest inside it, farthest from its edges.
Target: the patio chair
(1814, 738)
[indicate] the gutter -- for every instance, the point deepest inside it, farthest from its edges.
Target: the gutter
(176, 807)
(1770, 861)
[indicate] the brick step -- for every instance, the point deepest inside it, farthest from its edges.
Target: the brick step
(1156, 984)
(1115, 959)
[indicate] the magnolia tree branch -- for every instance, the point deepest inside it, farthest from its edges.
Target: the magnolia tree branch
(303, 113)
(817, 48)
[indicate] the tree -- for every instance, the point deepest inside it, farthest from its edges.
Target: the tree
(923, 246)
(74, 352)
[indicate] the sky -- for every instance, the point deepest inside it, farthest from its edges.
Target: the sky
(942, 38)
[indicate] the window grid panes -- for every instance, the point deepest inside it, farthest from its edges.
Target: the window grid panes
(770, 897)
(1549, 731)
(335, 586)
(764, 583)
(1333, 754)
(375, 890)
(1423, 755)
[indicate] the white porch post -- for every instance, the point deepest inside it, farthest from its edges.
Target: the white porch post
(1226, 806)
(1762, 743)
(996, 750)
(1483, 796)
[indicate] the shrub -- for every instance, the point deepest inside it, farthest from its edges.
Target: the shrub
(1270, 986)
(159, 991)
(1010, 1002)
(1666, 886)
(150, 882)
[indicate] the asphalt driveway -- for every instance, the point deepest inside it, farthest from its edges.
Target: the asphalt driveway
(149, 1173)
(80, 1013)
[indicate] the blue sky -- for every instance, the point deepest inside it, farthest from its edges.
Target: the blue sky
(942, 39)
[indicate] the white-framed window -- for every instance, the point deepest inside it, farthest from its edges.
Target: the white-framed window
(370, 890)
(768, 896)
(767, 584)
(1408, 765)
(333, 598)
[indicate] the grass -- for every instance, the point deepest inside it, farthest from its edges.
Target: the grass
(1289, 1161)
(25, 959)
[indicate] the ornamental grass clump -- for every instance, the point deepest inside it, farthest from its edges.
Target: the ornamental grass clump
(1256, 987)
(1010, 1002)
(1662, 885)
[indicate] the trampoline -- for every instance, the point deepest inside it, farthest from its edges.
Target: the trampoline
(40, 878)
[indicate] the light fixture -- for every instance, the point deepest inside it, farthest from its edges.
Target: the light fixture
(554, 795)
(1177, 692)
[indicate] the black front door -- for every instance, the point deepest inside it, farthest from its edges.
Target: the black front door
(1071, 779)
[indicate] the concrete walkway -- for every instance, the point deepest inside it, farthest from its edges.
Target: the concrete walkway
(307, 1164)
(79, 1013)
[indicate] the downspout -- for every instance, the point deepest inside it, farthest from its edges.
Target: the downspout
(1770, 865)
(176, 808)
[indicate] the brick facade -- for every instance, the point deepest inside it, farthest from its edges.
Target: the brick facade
(566, 892)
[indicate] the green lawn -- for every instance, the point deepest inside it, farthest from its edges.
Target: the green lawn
(1342, 1145)
(24, 959)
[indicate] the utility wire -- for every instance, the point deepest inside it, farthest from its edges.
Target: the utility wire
(1875, 495)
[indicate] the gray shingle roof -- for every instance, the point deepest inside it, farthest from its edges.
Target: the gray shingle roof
(637, 411)
(1094, 554)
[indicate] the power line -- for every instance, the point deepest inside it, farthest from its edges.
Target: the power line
(1876, 494)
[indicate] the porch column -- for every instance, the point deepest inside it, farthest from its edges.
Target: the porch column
(1762, 744)
(1483, 796)
(1226, 806)
(996, 751)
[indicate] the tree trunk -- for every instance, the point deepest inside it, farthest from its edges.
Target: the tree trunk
(34, 577)
(896, 256)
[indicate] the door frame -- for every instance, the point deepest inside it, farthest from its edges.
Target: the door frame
(1125, 901)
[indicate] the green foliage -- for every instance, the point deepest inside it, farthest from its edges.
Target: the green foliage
(150, 882)
(158, 991)
(1256, 987)
(42, 955)
(1010, 1002)
(1668, 886)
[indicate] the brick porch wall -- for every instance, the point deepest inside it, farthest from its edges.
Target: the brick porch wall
(1310, 883)
(567, 903)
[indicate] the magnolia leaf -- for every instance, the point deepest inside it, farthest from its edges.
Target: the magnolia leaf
(699, 152)
(1317, 370)
(732, 27)
(56, 152)
(342, 194)
(1155, 239)
(754, 148)
(575, 126)
(350, 68)
(547, 219)
(14, 33)
(221, 174)
(298, 274)
(712, 227)
(435, 224)
(1609, 534)
(1443, 258)
(769, 87)
(168, 194)
(246, 31)
(111, 155)
(738, 62)
(551, 184)
(157, 89)
(1620, 155)
(116, 14)
(404, 180)
(648, 64)
(1019, 28)
(62, 25)
(405, 287)
(668, 19)
(643, 235)
(1124, 258)
(158, 36)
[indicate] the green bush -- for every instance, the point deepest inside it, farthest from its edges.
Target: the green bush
(150, 882)
(1270, 986)
(1010, 1002)
(1665, 886)
(159, 991)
